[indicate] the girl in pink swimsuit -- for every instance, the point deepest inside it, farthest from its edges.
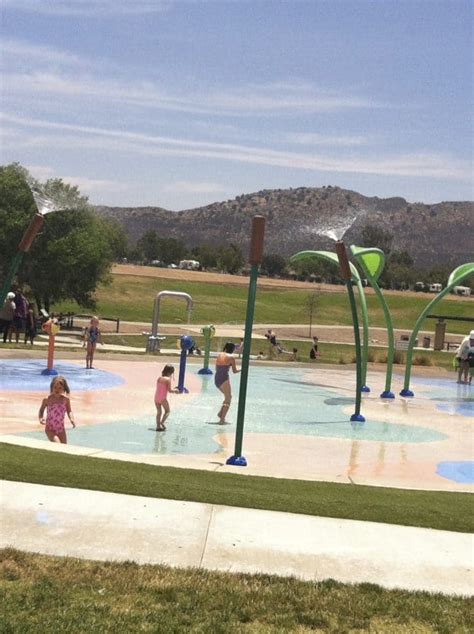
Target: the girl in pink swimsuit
(57, 405)
(163, 387)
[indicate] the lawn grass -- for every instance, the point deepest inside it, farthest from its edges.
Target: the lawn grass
(331, 353)
(131, 298)
(51, 594)
(429, 509)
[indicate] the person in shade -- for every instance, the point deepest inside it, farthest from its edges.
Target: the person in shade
(224, 362)
(462, 357)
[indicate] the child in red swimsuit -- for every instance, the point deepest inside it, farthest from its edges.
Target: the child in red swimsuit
(163, 387)
(57, 405)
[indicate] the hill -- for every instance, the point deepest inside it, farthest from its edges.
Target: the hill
(432, 234)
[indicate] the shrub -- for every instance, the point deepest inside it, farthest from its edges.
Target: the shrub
(342, 360)
(422, 359)
(398, 358)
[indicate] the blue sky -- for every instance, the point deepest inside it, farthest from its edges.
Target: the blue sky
(179, 103)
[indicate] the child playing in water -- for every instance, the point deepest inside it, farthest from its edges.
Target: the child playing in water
(163, 388)
(224, 362)
(92, 335)
(57, 404)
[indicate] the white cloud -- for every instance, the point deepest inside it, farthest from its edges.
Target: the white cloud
(248, 100)
(313, 138)
(37, 54)
(86, 8)
(429, 165)
(85, 185)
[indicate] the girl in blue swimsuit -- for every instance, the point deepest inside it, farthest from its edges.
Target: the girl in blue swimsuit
(91, 337)
(224, 362)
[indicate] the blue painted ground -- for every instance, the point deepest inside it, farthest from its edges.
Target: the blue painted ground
(279, 401)
(25, 375)
(462, 472)
(450, 397)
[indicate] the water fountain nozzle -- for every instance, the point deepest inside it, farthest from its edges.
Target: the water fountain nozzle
(343, 261)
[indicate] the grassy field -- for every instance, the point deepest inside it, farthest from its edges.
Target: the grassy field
(331, 353)
(131, 298)
(52, 594)
(429, 509)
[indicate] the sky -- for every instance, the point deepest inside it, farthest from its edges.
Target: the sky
(180, 103)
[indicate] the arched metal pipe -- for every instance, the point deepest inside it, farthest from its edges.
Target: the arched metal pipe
(156, 307)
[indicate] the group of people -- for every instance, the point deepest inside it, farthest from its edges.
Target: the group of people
(58, 404)
(275, 348)
(17, 316)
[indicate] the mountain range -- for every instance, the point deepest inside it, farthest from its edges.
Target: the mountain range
(299, 219)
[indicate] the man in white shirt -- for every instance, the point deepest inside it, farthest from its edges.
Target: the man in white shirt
(462, 356)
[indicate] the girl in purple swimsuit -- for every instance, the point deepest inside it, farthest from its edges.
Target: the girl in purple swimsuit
(224, 362)
(57, 405)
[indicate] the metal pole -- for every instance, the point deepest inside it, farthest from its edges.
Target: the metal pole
(24, 246)
(256, 250)
(347, 276)
(207, 332)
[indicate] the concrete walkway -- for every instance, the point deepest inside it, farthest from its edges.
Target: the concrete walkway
(110, 526)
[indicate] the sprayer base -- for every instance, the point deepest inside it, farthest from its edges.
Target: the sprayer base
(205, 371)
(237, 461)
(357, 418)
(183, 390)
(49, 372)
(387, 394)
(365, 388)
(406, 392)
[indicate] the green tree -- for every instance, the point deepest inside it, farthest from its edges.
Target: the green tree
(74, 250)
(273, 264)
(17, 207)
(171, 250)
(230, 259)
(149, 245)
(376, 236)
(206, 255)
(311, 306)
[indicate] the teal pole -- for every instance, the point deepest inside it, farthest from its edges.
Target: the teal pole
(387, 393)
(207, 332)
(332, 257)
(256, 249)
(461, 272)
(347, 276)
(365, 330)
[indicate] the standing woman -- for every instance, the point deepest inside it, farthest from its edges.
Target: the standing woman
(225, 360)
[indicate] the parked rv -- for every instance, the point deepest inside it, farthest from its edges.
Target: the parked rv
(435, 288)
(462, 290)
(190, 265)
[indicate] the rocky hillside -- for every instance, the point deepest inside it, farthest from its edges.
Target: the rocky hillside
(297, 218)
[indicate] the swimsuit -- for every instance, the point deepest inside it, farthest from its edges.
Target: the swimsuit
(55, 418)
(222, 374)
(161, 392)
(92, 335)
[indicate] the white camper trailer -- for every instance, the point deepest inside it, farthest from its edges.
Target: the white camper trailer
(189, 265)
